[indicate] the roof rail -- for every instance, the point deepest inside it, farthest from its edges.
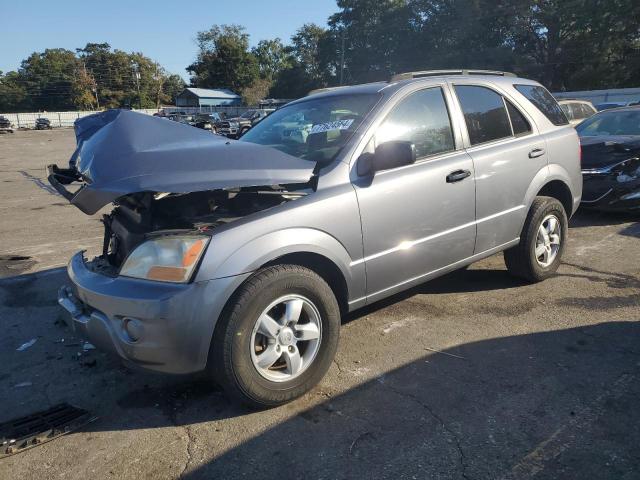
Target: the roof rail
(439, 73)
(325, 89)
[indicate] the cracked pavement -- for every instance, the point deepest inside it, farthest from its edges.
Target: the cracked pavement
(474, 375)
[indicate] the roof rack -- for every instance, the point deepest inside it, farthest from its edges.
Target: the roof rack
(325, 89)
(439, 73)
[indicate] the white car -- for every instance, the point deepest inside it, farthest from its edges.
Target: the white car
(577, 110)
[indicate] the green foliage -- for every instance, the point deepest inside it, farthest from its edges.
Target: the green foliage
(93, 77)
(309, 66)
(224, 59)
(272, 57)
(565, 44)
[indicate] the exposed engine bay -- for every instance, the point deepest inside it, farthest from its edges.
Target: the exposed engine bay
(140, 216)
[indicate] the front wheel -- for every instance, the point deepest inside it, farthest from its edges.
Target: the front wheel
(277, 336)
(542, 241)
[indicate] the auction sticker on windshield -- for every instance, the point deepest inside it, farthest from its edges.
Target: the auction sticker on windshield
(326, 127)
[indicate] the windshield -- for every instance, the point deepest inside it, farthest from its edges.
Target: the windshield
(625, 122)
(315, 129)
(248, 114)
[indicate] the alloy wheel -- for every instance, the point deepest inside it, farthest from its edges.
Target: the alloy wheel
(548, 241)
(286, 338)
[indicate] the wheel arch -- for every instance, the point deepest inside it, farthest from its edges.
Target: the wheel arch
(560, 191)
(324, 267)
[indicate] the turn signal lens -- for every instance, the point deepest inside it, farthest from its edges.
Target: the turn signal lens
(172, 258)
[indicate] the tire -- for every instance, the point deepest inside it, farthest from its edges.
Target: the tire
(233, 354)
(522, 260)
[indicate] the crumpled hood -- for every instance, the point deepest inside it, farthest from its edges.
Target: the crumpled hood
(122, 152)
(602, 151)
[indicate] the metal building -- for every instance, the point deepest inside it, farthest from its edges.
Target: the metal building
(199, 97)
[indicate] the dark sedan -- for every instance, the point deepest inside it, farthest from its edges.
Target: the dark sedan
(611, 159)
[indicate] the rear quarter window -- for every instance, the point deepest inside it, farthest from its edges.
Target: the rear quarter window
(544, 102)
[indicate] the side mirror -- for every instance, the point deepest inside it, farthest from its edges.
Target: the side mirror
(388, 155)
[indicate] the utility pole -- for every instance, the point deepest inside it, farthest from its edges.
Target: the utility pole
(93, 84)
(158, 78)
(136, 75)
(342, 58)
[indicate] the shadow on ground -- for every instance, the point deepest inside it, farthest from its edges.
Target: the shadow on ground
(593, 218)
(560, 404)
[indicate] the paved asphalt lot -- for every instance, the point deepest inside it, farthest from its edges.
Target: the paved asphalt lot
(473, 375)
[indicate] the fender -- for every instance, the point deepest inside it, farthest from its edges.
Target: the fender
(266, 248)
(574, 182)
(545, 176)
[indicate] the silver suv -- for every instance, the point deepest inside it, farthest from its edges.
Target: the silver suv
(239, 258)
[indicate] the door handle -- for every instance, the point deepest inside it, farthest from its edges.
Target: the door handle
(458, 175)
(536, 152)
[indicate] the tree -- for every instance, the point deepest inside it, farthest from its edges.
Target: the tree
(172, 86)
(127, 79)
(12, 92)
(379, 37)
(272, 57)
(307, 68)
(257, 91)
(84, 90)
(224, 59)
(47, 79)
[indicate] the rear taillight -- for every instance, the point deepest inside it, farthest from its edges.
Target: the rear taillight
(580, 152)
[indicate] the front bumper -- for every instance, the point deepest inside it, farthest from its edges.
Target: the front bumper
(174, 323)
(606, 193)
(229, 132)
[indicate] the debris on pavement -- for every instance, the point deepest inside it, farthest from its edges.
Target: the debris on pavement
(23, 384)
(444, 353)
(26, 345)
(26, 432)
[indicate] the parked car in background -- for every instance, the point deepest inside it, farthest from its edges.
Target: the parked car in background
(611, 159)
(181, 118)
(577, 110)
(238, 126)
(238, 258)
(608, 106)
(207, 121)
(5, 125)
(43, 123)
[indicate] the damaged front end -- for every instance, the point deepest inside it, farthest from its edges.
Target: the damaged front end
(611, 175)
(172, 186)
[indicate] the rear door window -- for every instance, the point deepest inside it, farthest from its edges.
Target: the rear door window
(544, 102)
(485, 113)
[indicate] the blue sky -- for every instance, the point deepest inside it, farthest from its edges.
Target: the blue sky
(162, 30)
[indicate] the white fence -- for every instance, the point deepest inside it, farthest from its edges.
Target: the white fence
(57, 119)
(66, 119)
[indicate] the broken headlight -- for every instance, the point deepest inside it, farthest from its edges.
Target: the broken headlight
(627, 171)
(166, 259)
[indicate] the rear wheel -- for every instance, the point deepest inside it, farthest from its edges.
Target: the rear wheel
(277, 337)
(542, 241)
